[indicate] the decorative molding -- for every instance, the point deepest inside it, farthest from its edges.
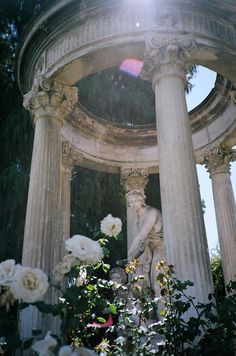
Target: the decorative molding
(50, 98)
(70, 156)
(134, 179)
(218, 159)
(166, 18)
(113, 23)
(167, 50)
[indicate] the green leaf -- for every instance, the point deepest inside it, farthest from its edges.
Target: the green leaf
(101, 320)
(113, 308)
(106, 267)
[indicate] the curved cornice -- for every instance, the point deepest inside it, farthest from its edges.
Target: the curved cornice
(145, 135)
(69, 35)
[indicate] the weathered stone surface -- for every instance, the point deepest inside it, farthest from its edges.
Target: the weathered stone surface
(184, 230)
(133, 180)
(49, 103)
(217, 162)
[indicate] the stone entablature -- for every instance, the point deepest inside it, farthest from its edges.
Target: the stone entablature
(112, 24)
(73, 33)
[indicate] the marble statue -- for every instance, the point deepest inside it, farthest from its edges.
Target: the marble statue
(148, 245)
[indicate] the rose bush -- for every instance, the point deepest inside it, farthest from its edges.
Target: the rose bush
(102, 317)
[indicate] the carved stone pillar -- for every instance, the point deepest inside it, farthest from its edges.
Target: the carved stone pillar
(49, 103)
(133, 179)
(218, 164)
(69, 159)
(183, 223)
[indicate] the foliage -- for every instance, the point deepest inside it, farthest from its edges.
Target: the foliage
(123, 318)
(217, 272)
(184, 327)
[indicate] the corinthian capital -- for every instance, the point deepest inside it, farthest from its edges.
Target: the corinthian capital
(218, 160)
(50, 98)
(134, 179)
(165, 53)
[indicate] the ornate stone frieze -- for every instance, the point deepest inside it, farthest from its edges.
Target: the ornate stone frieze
(50, 98)
(70, 156)
(134, 179)
(167, 50)
(218, 160)
(153, 17)
(166, 18)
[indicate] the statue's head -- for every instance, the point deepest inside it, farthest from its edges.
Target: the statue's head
(136, 199)
(118, 275)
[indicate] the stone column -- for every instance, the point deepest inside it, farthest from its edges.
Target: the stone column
(69, 158)
(217, 162)
(183, 223)
(133, 179)
(49, 103)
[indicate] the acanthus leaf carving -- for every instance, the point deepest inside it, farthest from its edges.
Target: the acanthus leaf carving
(50, 98)
(164, 50)
(134, 179)
(218, 159)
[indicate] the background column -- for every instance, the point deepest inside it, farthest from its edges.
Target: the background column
(218, 164)
(70, 158)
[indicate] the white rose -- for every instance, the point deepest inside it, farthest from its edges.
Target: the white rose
(65, 351)
(87, 250)
(62, 268)
(111, 226)
(29, 284)
(81, 351)
(80, 280)
(43, 347)
(8, 269)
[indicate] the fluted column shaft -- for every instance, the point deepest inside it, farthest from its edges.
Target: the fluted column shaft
(184, 230)
(65, 206)
(49, 103)
(43, 207)
(134, 180)
(70, 158)
(218, 164)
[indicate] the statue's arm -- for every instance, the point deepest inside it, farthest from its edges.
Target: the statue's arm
(138, 244)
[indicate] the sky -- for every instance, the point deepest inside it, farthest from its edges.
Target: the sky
(203, 83)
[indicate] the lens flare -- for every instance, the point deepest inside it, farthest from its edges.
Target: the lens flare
(132, 66)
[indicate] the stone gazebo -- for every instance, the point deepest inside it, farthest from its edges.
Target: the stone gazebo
(72, 39)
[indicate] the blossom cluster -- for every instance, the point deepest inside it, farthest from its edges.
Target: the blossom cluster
(24, 283)
(85, 251)
(29, 285)
(49, 343)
